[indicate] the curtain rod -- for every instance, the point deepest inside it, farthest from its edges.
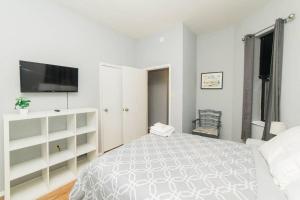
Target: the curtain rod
(290, 18)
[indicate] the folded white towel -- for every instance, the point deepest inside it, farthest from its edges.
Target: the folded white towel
(164, 134)
(162, 129)
(161, 134)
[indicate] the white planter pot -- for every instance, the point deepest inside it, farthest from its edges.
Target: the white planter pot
(23, 111)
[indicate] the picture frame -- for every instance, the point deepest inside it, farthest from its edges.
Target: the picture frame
(212, 80)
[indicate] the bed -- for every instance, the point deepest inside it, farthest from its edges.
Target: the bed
(182, 166)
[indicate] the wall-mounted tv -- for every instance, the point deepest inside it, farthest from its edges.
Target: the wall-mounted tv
(39, 77)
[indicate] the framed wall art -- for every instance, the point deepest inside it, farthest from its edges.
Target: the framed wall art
(212, 80)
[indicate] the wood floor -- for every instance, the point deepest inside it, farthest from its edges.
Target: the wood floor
(59, 194)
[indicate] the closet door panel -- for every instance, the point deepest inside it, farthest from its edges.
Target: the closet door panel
(134, 103)
(111, 107)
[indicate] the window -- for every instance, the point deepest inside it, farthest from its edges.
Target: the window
(266, 49)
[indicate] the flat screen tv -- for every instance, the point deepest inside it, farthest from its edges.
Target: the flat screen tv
(38, 77)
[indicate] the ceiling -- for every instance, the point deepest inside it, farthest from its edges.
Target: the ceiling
(139, 18)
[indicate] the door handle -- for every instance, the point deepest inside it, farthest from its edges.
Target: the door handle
(105, 110)
(126, 109)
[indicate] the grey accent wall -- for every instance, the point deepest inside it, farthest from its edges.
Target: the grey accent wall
(189, 79)
(291, 61)
(216, 54)
(42, 31)
(224, 51)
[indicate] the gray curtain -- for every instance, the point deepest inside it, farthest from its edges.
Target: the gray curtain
(249, 50)
(273, 104)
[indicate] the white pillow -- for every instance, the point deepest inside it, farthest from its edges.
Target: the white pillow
(282, 154)
(292, 191)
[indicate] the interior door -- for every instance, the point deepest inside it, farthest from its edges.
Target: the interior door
(134, 103)
(111, 107)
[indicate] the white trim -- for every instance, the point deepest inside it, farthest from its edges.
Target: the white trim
(100, 154)
(113, 65)
(166, 66)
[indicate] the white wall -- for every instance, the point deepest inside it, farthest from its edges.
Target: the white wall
(41, 31)
(189, 79)
(151, 52)
(290, 106)
(216, 54)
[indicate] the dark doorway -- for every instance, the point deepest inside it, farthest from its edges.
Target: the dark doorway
(158, 96)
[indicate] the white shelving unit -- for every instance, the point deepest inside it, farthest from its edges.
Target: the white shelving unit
(45, 150)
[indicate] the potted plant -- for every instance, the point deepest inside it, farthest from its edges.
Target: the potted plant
(22, 104)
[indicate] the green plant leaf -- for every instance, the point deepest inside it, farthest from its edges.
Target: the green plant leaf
(22, 103)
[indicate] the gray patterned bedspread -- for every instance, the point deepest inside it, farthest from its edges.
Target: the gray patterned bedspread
(182, 166)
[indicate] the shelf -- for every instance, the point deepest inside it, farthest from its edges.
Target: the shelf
(84, 130)
(33, 163)
(82, 163)
(27, 142)
(33, 115)
(27, 167)
(85, 148)
(29, 190)
(60, 135)
(60, 176)
(60, 157)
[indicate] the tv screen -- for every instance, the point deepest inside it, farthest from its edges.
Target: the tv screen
(38, 77)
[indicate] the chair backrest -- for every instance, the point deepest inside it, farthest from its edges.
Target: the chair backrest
(210, 118)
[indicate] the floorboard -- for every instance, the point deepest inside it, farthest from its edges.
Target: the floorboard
(61, 193)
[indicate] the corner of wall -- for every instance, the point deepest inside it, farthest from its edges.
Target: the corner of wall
(189, 74)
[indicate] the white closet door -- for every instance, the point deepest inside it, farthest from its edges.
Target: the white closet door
(111, 107)
(134, 103)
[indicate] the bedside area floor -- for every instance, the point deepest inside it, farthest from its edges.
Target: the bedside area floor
(59, 194)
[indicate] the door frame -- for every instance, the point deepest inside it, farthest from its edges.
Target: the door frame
(148, 68)
(166, 66)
